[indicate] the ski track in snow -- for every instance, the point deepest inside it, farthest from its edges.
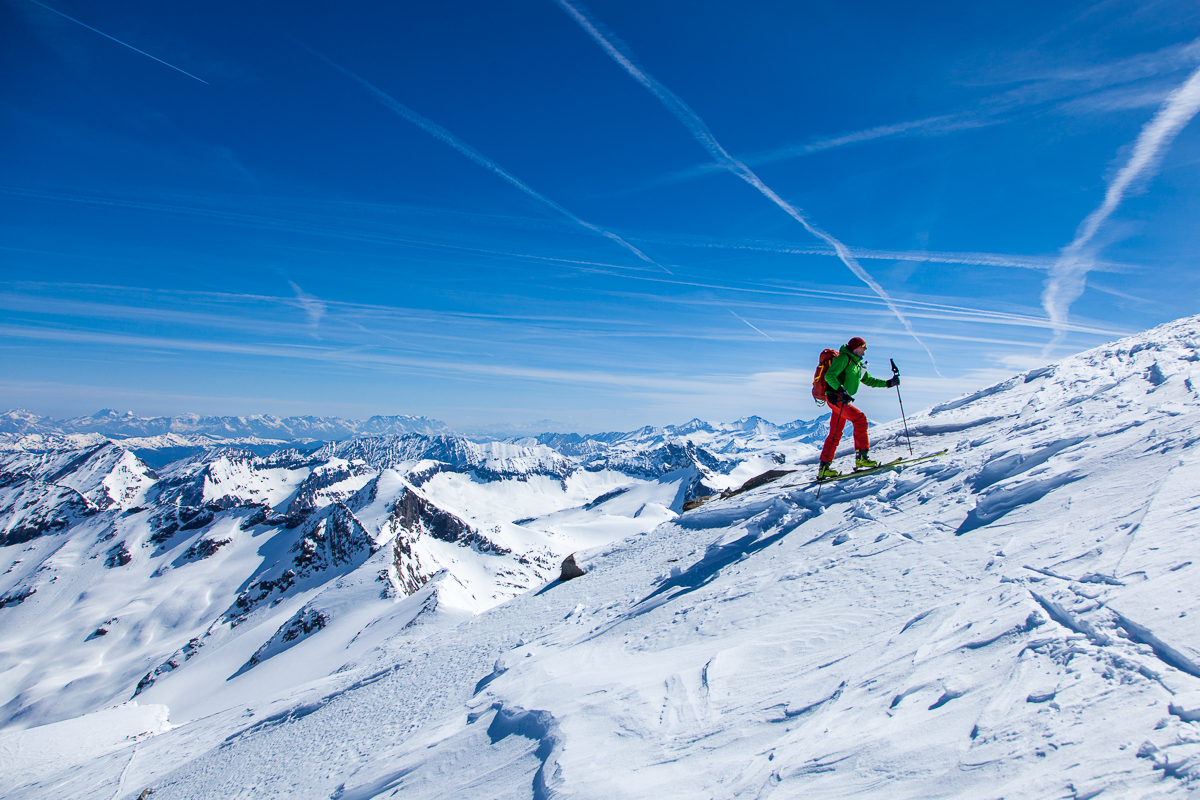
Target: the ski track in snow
(1015, 619)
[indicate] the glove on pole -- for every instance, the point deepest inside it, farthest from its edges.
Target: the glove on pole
(896, 375)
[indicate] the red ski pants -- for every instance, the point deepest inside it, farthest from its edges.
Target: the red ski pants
(837, 424)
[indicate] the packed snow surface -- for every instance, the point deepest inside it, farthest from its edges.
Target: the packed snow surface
(1015, 619)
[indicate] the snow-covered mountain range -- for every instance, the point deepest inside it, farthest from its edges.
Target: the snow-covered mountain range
(110, 423)
(381, 617)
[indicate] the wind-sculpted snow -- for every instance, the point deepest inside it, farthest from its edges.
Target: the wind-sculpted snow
(1015, 619)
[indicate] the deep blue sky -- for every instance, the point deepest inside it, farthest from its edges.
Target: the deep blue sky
(277, 239)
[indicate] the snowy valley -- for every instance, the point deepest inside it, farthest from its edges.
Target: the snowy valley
(273, 614)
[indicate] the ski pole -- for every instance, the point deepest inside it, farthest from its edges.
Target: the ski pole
(896, 374)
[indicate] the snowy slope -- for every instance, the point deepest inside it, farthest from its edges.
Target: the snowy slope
(199, 579)
(1016, 619)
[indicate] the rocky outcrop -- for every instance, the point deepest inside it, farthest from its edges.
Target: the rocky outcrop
(317, 489)
(204, 548)
(413, 517)
(305, 622)
(31, 508)
(570, 569)
(334, 540)
(174, 662)
(17, 596)
(118, 556)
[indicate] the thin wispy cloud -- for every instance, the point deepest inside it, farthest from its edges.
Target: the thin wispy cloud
(701, 133)
(1068, 276)
(440, 133)
(301, 226)
(252, 315)
(118, 41)
(377, 359)
(1165, 60)
(314, 309)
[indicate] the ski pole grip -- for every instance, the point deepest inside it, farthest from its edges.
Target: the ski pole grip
(895, 370)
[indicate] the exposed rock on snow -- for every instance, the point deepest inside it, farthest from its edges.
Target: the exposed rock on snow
(570, 569)
(306, 621)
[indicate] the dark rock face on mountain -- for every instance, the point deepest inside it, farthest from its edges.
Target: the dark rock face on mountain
(321, 480)
(337, 540)
(32, 509)
(417, 515)
(303, 623)
(412, 517)
(570, 569)
(333, 541)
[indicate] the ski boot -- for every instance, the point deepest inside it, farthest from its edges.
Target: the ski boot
(826, 471)
(862, 460)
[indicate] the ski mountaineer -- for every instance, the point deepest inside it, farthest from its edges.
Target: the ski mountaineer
(842, 379)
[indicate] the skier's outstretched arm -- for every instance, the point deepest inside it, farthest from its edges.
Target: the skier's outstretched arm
(871, 380)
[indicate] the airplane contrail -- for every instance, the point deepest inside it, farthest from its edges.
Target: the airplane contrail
(701, 133)
(118, 41)
(743, 319)
(1069, 273)
(438, 132)
(931, 256)
(929, 126)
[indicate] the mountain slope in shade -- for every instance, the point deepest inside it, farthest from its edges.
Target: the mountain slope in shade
(1016, 619)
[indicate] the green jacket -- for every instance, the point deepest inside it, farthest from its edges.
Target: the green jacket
(846, 371)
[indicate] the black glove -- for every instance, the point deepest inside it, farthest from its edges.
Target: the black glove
(893, 381)
(844, 397)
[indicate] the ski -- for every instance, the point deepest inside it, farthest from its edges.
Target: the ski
(860, 473)
(773, 475)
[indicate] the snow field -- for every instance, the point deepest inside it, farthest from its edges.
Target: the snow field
(952, 630)
(1012, 620)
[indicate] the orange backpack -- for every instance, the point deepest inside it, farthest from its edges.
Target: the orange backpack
(819, 385)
